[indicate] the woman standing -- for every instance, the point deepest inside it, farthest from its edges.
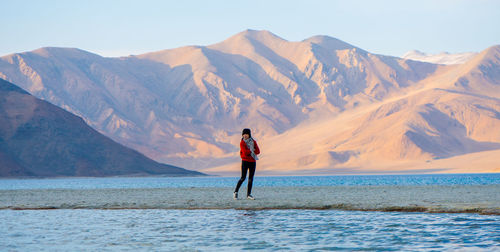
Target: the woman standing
(248, 152)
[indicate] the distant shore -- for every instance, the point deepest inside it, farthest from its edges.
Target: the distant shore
(482, 199)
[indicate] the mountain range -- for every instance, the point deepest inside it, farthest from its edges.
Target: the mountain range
(38, 139)
(316, 106)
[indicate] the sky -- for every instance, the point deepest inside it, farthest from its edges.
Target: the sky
(120, 28)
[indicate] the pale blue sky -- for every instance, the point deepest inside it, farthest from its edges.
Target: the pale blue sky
(113, 28)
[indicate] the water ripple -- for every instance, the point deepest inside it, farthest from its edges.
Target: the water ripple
(229, 230)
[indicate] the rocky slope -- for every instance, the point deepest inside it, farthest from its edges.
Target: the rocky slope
(38, 139)
(454, 113)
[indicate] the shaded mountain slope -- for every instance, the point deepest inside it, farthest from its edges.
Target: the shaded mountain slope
(40, 139)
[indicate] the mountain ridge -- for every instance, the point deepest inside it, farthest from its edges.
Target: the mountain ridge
(185, 105)
(38, 139)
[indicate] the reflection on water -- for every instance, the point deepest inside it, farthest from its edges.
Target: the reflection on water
(229, 230)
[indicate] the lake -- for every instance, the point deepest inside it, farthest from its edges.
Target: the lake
(231, 229)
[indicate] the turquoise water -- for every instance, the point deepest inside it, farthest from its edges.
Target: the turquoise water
(235, 230)
(162, 182)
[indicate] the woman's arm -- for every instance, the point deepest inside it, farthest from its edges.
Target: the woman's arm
(244, 149)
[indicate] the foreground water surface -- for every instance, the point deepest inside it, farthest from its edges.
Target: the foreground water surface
(233, 230)
(230, 230)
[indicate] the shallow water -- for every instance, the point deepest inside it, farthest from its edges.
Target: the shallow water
(230, 230)
(293, 181)
(160, 228)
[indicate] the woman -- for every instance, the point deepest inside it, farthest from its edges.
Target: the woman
(248, 152)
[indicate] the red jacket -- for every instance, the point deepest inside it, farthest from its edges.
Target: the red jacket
(245, 153)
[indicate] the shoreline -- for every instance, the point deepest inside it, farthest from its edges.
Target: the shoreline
(481, 199)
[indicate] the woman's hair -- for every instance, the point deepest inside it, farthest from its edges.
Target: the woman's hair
(246, 131)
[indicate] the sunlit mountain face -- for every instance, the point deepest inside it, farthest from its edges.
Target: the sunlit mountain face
(316, 106)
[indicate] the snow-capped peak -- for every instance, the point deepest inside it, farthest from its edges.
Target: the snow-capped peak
(444, 58)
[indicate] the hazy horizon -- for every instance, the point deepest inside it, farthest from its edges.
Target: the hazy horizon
(122, 28)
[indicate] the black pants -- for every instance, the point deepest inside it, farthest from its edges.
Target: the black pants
(244, 167)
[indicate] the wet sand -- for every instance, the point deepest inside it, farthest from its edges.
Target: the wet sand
(483, 199)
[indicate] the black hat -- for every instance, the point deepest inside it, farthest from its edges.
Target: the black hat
(246, 131)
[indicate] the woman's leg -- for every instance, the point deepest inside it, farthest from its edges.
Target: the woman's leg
(244, 168)
(251, 167)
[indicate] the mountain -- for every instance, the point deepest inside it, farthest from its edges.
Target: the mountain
(444, 58)
(186, 106)
(445, 123)
(38, 139)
